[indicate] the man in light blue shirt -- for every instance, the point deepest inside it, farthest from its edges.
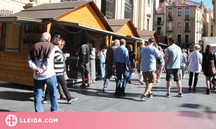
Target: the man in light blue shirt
(148, 54)
(173, 57)
(41, 61)
(122, 63)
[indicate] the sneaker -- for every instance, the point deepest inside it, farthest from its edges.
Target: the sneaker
(105, 90)
(83, 85)
(168, 95)
(157, 81)
(141, 82)
(150, 95)
(45, 101)
(180, 94)
(129, 81)
(144, 98)
(72, 100)
(88, 85)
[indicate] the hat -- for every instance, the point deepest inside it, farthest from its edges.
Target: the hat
(197, 46)
(142, 41)
(151, 40)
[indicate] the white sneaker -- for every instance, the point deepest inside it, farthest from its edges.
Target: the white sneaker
(157, 81)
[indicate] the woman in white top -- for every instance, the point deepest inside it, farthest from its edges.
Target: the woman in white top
(102, 57)
(92, 63)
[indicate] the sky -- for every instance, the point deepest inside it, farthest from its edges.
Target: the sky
(207, 3)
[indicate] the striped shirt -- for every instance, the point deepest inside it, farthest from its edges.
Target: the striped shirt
(59, 64)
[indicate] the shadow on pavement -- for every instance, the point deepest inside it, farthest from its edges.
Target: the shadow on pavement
(13, 95)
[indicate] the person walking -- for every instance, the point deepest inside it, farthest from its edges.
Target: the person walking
(173, 57)
(102, 57)
(109, 64)
(41, 61)
(122, 63)
(84, 50)
(195, 66)
(132, 63)
(183, 65)
(148, 54)
(159, 65)
(138, 51)
(92, 63)
(207, 56)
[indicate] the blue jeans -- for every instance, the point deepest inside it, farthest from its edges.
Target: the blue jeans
(109, 73)
(121, 69)
(38, 92)
(102, 67)
(131, 71)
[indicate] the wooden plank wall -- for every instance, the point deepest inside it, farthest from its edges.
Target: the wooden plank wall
(14, 68)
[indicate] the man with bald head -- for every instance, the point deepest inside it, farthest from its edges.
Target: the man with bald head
(41, 57)
(122, 64)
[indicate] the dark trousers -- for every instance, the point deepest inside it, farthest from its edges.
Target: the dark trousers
(121, 69)
(195, 79)
(63, 85)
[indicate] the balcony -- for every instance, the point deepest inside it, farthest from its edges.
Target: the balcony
(187, 17)
(160, 32)
(170, 18)
(187, 29)
(169, 29)
(159, 22)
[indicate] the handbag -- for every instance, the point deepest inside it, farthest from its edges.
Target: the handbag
(212, 68)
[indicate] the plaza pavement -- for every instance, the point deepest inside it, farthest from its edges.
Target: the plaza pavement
(19, 98)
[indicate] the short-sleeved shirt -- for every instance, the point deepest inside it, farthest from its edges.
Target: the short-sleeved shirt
(84, 52)
(149, 55)
(121, 55)
(174, 53)
(195, 61)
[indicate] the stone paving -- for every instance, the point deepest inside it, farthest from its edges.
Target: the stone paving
(19, 98)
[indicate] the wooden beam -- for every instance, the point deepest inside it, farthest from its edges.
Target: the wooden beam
(47, 26)
(136, 54)
(110, 40)
(107, 40)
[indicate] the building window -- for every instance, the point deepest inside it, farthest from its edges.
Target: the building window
(179, 8)
(179, 24)
(187, 7)
(179, 13)
(187, 13)
(128, 9)
(170, 8)
(108, 8)
(186, 38)
(170, 16)
(187, 27)
(179, 38)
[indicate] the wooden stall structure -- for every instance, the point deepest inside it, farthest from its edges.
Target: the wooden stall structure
(149, 34)
(21, 30)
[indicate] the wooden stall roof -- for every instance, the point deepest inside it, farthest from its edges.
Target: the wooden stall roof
(163, 39)
(78, 12)
(123, 26)
(149, 34)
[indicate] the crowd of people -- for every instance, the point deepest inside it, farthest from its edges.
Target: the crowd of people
(47, 61)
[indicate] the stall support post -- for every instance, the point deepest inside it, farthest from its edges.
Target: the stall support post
(47, 26)
(110, 40)
(20, 37)
(4, 27)
(107, 40)
(136, 59)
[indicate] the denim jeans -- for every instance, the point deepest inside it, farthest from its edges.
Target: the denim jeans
(131, 71)
(38, 92)
(109, 73)
(121, 69)
(102, 67)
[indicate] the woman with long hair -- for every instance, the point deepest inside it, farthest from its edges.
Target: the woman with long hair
(207, 56)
